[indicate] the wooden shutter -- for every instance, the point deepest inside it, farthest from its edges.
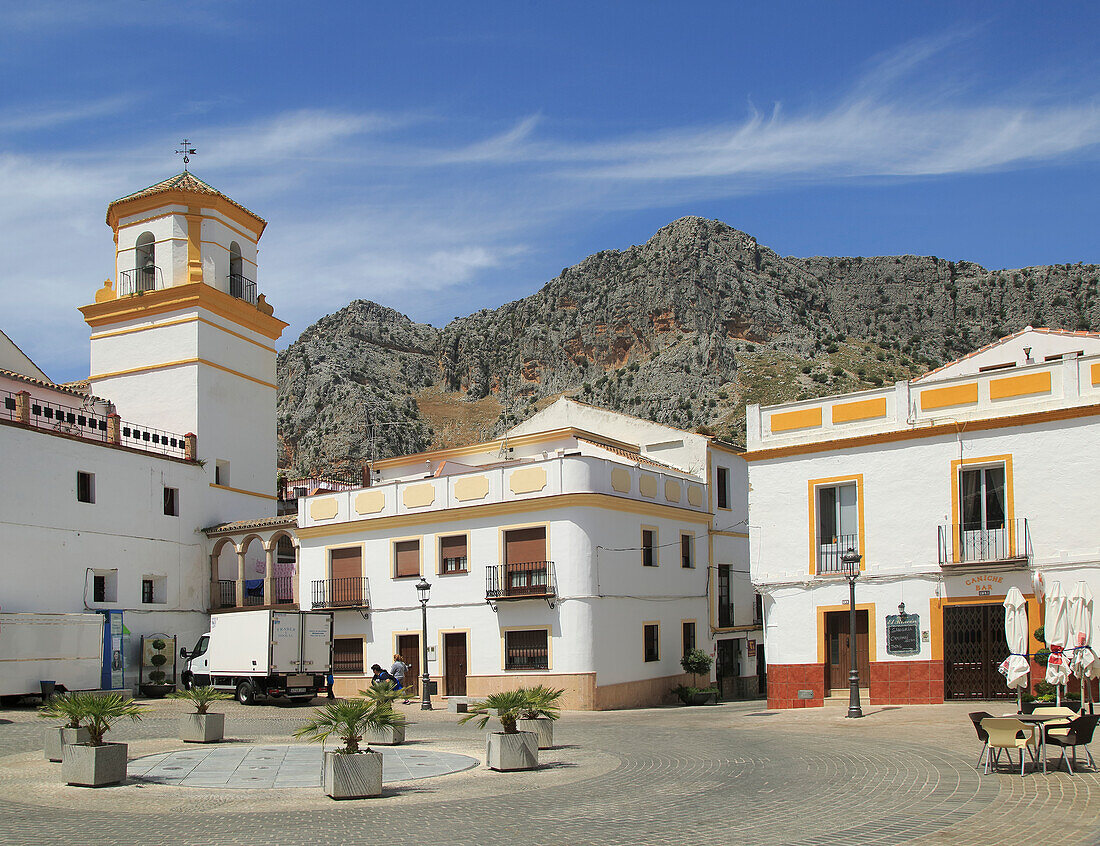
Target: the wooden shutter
(345, 589)
(526, 650)
(406, 558)
(347, 563)
(525, 545)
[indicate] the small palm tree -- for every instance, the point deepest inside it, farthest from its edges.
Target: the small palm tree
(201, 697)
(100, 713)
(350, 719)
(383, 692)
(64, 706)
(508, 704)
(542, 701)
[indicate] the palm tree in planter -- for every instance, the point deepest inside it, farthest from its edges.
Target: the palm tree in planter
(385, 694)
(540, 713)
(96, 763)
(201, 726)
(351, 772)
(509, 749)
(63, 706)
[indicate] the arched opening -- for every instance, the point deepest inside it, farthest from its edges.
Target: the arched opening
(235, 264)
(239, 285)
(286, 569)
(145, 262)
(224, 566)
(255, 569)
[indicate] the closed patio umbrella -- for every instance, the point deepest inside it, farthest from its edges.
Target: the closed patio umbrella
(1056, 626)
(1015, 666)
(1080, 633)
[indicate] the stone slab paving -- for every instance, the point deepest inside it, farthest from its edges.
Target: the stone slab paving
(281, 766)
(729, 774)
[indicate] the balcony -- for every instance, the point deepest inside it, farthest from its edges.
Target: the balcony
(962, 544)
(282, 589)
(526, 580)
(139, 280)
(242, 288)
(341, 593)
(829, 552)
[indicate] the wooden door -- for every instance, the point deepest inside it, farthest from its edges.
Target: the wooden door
(974, 645)
(454, 657)
(838, 649)
(408, 647)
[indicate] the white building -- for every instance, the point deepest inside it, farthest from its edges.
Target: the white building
(953, 487)
(105, 500)
(586, 550)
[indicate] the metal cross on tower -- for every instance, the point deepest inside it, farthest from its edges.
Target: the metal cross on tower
(186, 150)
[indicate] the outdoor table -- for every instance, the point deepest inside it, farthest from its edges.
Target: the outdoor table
(1040, 720)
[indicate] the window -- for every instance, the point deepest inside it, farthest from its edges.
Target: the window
(649, 547)
(171, 502)
(85, 486)
(687, 550)
(725, 606)
(104, 586)
(345, 585)
(146, 591)
(758, 618)
(221, 473)
(526, 650)
(452, 554)
(983, 533)
(347, 655)
(723, 487)
(837, 524)
(406, 559)
(650, 645)
(688, 636)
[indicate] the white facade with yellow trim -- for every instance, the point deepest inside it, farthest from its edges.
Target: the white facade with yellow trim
(953, 487)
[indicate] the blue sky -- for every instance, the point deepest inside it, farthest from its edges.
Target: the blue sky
(441, 158)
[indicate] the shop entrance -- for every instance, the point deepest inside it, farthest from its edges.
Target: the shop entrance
(974, 645)
(838, 633)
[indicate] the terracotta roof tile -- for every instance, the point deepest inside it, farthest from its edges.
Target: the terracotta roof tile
(185, 181)
(261, 523)
(1044, 331)
(70, 388)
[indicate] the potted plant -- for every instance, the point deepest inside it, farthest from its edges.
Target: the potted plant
(509, 749)
(386, 694)
(65, 707)
(201, 726)
(698, 663)
(350, 772)
(158, 685)
(540, 712)
(95, 763)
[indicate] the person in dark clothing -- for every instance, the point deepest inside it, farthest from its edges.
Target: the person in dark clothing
(381, 675)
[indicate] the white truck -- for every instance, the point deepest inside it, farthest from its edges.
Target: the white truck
(63, 648)
(278, 654)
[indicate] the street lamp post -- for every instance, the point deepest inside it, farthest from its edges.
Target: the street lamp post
(422, 588)
(851, 559)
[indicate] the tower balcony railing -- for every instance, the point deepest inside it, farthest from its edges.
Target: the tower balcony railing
(139, 280)
(1007, 543)
(242, 288)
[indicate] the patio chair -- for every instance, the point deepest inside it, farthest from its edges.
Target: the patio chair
(976, 718)
(1055, 729)
(1078, 733)
(1009, 733)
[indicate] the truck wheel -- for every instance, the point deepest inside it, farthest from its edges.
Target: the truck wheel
(246, 693)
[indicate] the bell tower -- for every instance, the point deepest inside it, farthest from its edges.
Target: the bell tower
(182, 341)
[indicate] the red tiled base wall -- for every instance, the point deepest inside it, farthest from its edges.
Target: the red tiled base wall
(785, 680)
(906, 682)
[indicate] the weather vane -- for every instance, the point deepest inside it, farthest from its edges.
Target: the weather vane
(186, 150)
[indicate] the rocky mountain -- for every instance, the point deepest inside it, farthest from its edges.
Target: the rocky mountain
(684, 329)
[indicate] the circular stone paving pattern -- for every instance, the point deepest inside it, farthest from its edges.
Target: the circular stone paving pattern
(243, 767)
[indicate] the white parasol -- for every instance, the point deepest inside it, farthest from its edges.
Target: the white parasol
(1015, 666)
(1056, 628)
(1080, 632)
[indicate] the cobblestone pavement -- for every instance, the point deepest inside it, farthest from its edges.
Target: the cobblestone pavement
(728, 774)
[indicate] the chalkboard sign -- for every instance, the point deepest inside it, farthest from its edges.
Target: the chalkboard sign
(903, 634)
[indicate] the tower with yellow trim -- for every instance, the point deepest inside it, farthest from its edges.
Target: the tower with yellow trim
(181, 339)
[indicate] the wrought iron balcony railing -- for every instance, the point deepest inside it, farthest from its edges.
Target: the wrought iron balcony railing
(961, 543)
(526, 580)
(829, 552)
(227, 593)
(139, 280)
(341, 593)
(242, 288)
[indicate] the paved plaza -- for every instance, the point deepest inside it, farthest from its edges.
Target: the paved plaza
(727, 774)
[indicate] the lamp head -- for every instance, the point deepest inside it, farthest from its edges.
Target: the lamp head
(422, 589)
(850, 558)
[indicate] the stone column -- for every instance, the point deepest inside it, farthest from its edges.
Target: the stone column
(114, 429)
(297, 575)
(269, 575)
(23, 407)
(215, 587)
(190, 446)
(240, 578)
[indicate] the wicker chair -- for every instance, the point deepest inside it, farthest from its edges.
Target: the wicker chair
(1009, 733)
(1078, 733)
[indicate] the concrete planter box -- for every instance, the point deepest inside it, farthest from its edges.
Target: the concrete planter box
(93, 766)
(60, 736)
(202, 728)
(543, 727)
(389, 736)
(354, 776)
(519, 751)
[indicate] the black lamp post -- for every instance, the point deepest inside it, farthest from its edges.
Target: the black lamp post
(850, 558)
(422, 589)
